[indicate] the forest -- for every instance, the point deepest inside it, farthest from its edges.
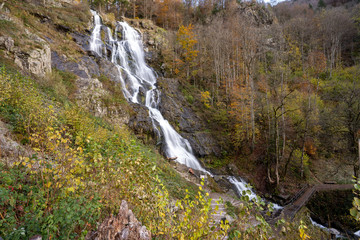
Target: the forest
(282, 82)
(276, 85)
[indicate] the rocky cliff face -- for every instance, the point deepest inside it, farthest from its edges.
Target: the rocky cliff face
(190, 124)
(257, 14)
(36, 61)
(92, 94)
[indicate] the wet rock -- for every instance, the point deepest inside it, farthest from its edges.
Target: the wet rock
(124, 226)
(225, 184)
(93, 54)
(85, 68)
(190, 125)
(203, 144)
(141, 123)
(80, 39)
(109, 69)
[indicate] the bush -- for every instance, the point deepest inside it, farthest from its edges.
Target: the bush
(80, 170)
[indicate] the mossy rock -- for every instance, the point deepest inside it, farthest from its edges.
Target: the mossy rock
(213, 185)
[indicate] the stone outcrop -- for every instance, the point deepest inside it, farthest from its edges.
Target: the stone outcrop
(186, 121)
(257, 14)
(124, 226)
(90, 92)
(36, 61)
(54, 3)
(7, 43)
(10, 150)
(85, 67)
(92, 96)
(141, 124)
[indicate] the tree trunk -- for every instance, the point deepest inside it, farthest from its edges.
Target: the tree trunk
(252, 111)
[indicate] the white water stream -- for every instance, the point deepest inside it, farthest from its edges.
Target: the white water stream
(337, 236)
(139, 86)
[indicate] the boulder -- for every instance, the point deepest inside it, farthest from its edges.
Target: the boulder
(36, 61)
(124, 226)
(10, 150)
(6, 43)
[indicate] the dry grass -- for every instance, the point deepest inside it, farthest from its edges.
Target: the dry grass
(43, 22)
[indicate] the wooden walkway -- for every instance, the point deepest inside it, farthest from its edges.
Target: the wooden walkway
(305, 194)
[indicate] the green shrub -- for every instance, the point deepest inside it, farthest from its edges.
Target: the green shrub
(80, 171)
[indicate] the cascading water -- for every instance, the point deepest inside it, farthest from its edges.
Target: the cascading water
(138, 82)
(337, 235)
(96, 43)
(243, 188)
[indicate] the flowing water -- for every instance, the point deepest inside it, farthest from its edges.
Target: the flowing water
(337, 236)
(139, 86)
(243, 188)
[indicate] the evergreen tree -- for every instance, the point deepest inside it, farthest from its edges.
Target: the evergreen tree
(321, 4)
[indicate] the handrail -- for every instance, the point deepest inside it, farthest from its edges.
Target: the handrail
(297, 195)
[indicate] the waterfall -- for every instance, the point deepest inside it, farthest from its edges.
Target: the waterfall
(96, 43)
(138, 82)
(243, 188)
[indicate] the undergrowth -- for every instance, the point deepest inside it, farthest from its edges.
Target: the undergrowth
(80, 168)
